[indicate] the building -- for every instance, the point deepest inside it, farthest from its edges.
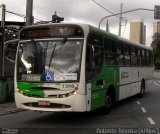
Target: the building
(138, 31)
(156, 27)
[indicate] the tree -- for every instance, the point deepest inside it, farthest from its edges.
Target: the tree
(156, 49)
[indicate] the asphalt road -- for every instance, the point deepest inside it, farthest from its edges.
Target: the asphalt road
(130, 113)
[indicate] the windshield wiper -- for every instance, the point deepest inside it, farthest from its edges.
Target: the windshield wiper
(56, 49)
(61, 45)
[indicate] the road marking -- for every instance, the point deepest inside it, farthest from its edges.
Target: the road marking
(144, 110)
(138, 103)
(151, 121)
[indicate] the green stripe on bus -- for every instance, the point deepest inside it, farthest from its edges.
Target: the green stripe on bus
(110, 76)
(29, 89)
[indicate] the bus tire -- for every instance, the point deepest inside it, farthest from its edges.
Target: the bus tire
(109, 101)
(142, 90)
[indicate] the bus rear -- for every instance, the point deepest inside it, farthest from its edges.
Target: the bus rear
(50, 69)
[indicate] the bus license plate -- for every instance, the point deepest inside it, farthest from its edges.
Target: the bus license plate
(43, 103)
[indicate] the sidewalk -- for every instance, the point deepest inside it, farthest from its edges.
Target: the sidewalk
(8, 107)
(156, 74)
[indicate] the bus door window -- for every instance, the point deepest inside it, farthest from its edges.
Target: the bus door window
(94, 56)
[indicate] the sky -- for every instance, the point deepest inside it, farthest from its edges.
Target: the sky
(87, 11)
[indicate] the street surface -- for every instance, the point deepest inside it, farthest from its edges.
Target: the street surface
(130, 113)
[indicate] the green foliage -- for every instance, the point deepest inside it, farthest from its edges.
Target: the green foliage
(156, 50)
(157, 63)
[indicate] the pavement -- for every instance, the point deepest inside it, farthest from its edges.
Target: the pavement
(8, 108)
(156, 74)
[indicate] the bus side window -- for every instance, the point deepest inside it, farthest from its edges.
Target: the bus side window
(119, 55)
(127, 59)
(139, 57)
(143, 57)
(110, 52)
(148, 60)
(134, 56)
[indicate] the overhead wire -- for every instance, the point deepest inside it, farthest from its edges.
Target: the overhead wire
(112, 14)
(107, 10)
(20, 15)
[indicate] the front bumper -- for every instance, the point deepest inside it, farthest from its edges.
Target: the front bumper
(74, 103)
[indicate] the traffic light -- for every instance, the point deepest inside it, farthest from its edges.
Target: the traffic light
(157, 12)
(57, 19)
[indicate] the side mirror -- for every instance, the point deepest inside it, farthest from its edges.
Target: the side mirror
(7, 50)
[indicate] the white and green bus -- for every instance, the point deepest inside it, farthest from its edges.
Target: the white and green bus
(77, 67)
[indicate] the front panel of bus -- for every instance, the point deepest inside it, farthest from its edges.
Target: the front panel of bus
(49, 71)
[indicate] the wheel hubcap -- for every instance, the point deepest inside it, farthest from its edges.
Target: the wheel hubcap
(108, 101)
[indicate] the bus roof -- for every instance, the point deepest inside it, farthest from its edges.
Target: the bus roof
(134, 43)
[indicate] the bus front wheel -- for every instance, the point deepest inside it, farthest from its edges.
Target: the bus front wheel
(108, 103)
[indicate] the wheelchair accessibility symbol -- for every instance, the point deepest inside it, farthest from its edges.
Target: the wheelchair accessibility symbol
(49, 76)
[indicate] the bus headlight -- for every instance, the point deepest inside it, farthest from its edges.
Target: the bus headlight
(68, 94)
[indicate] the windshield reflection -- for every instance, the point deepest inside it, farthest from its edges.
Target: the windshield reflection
(49, 60)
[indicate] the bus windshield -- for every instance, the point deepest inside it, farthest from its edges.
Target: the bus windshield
(49, 60)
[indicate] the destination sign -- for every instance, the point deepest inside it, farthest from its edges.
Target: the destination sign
(51, 31)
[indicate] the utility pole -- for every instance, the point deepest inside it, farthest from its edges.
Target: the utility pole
(3, 15)
(107, 26)
(120, 20)
(2, 46)
(29, 10)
